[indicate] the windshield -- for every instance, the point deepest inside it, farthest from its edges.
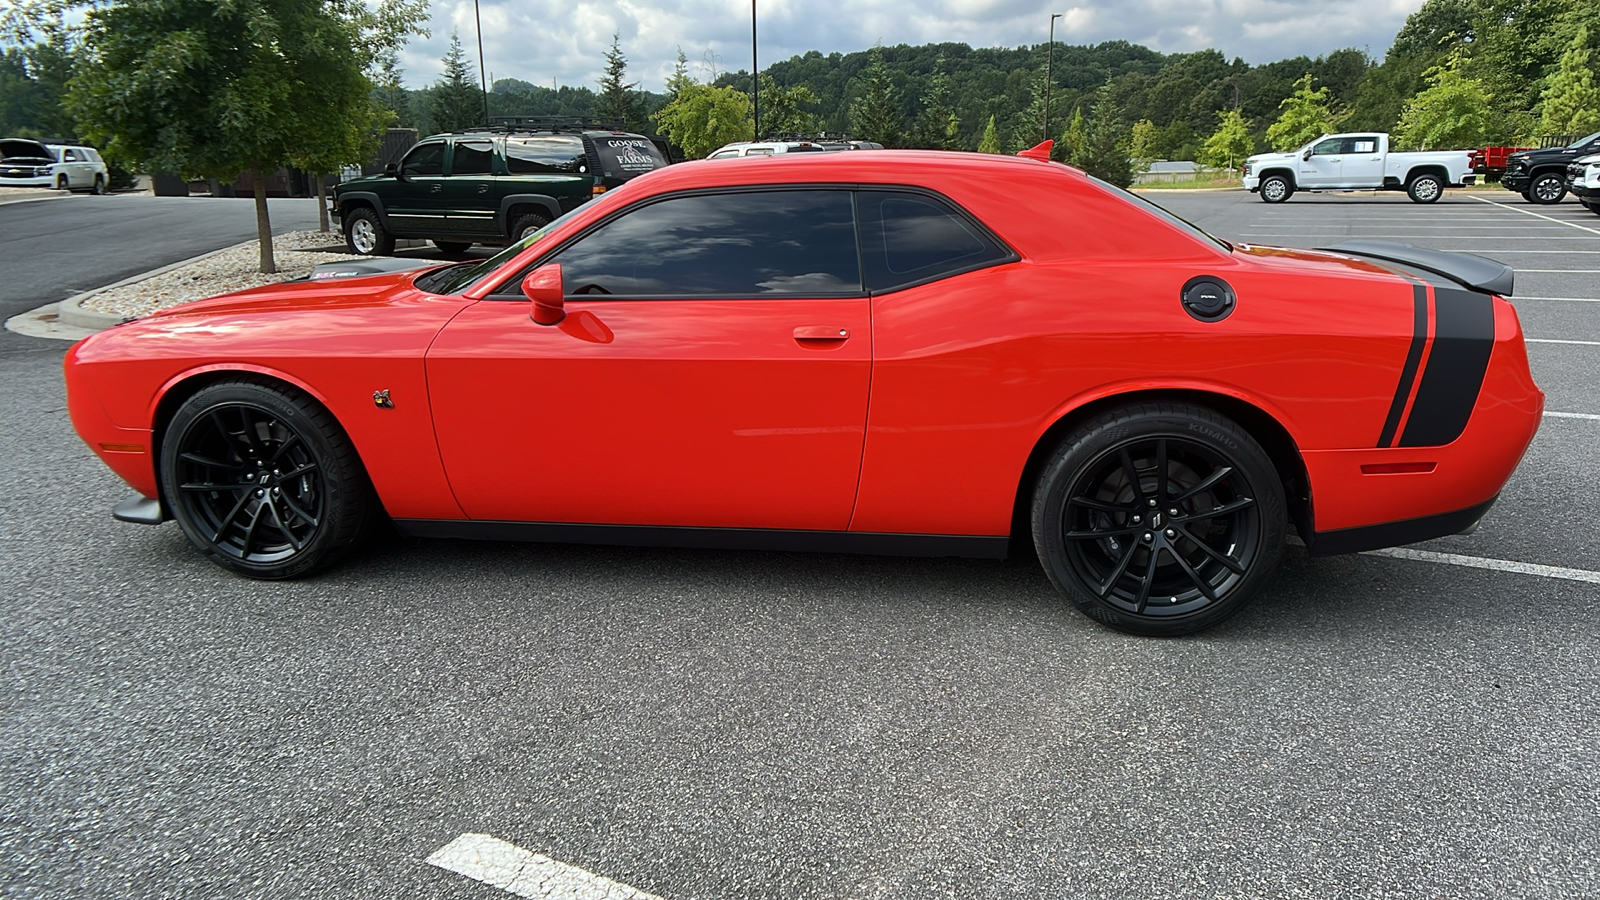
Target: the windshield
(1162, 213)
(1583, 141)
(457, 278)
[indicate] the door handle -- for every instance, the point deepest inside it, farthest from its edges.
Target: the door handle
(435, 188)
(821, 333)
(483, 189)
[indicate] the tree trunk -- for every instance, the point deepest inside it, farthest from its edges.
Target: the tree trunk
(322, 204)
(263, 225)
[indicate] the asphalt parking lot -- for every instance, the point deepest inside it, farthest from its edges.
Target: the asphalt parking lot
(747, 725)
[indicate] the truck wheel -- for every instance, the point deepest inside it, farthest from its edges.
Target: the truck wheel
(1276, 189)
(1546, 188)
(1592, 206)
(365, 234)
(528, 224)
(1425, 189)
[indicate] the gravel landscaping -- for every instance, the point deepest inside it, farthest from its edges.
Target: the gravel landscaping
(233, 269)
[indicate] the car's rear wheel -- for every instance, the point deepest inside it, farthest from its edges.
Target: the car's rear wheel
(1276, 189)
(528, 224)
(1547, 187)
(1592, 206)
(100, 185)
(453, 247)
(1159, 518)
(365, 235)
(263, 480)
(1425, 189)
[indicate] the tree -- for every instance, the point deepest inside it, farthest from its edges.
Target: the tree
(456, 102)
(678, 80)
(619, 98)
(937, 127)
(390, 93)
(989, 142)
(1303, 117)
(1031, 124)
(212, 89)
(1571, 103)
(1142, 144)
(1231, 142)
(1105, 143)
(782, 110)
(875, 113)
(1074, 138)
(704, 117)
(1453, 111)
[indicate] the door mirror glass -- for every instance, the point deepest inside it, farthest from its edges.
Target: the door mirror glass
(543, 287)
(391, 169)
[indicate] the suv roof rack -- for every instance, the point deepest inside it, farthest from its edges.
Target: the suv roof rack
(574, 124)
(816, 137)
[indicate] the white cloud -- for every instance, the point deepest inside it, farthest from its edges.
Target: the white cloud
(566, 40)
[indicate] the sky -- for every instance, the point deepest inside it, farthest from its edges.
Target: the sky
(564, 41)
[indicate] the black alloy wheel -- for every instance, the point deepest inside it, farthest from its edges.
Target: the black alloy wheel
(1159, 519)
(1547, 187)
(263, 480)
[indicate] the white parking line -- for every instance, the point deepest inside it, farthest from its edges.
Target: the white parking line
(1479, 562)
(510, 868)
(1564, 271)
(1529, 212)
(1565, 415)
(1562, 299)
(1556, 341)
(1411, 236)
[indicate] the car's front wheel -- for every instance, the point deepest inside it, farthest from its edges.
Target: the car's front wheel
(1425, 189)
(263, 480)
(365, 235)
(1547, 187)
(62, 183)
(528, 224)
(1159, 518)
(1276, 189)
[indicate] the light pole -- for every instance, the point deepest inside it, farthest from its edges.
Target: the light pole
(755, 74)
(1049, 63)
(483, 78)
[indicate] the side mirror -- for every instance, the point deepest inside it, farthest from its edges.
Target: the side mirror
(392, 170)
(543, 287)
(1306, 155)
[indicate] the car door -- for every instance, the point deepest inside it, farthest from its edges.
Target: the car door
(1323, 167)
(1362, 165)
(468, 196)
(712, 370)
(72, 167)
(417, 206)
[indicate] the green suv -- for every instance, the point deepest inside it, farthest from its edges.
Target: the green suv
(490, 185)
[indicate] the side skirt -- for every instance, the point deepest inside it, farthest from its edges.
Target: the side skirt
(866, 543)
(1395, 534)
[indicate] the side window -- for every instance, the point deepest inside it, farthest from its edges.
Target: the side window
(758, 151)
(723, 154)
(424, 159)
(472, 158)
(1361, 144)
(910, 238)
(1329, 147)
(544, 154)
(70, 155)
(747, 244)
(94, 155)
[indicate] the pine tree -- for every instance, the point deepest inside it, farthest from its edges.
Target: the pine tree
(1074, 138)
(1231, 143)
(1571, 102)
(390, 93)
(680, 77)
(938, 127)
(618, 98)
(456, 102)
(989, 142)
(1303, 117)
(1105, 143)
(1031, 124)
(875, 114)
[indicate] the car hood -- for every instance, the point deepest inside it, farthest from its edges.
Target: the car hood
(296, 296)
(356, 184)
(16, 150)
(1274, 157)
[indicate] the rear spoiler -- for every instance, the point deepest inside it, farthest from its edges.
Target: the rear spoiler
(1468, 270)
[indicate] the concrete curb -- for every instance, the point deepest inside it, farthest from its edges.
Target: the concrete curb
(51, 195)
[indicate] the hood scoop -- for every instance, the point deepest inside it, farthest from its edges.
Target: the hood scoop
(1466, 269)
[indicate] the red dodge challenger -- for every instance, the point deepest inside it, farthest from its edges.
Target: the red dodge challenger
(900, 352)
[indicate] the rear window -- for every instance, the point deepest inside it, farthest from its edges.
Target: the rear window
(624, 157)
(544, 154)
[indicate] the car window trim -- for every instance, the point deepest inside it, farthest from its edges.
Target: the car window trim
(500, 293)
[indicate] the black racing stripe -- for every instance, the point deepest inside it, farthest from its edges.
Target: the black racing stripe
(1463, 338)
(1408, 375)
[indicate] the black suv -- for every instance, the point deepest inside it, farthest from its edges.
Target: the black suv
(1540, 176)
(490, 185)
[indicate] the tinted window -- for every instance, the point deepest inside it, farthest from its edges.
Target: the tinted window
(741, 245)
(424, 159)
(625, 157)
(1329, 147)
(758, 151)
(472, 158)
(70, 156)
(907, 238)
(546, 153)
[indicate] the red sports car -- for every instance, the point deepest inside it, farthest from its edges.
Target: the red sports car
(900, 352)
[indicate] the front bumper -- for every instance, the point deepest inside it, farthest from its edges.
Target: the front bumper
(1515, 181)
(44, 181)
(1252, 183)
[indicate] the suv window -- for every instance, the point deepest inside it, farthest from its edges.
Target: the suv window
(1329, 147)
(909, 238)
(70, 155)
(424, 159)
(624, 157)
(746, 244)
(1363, 144)
(545, 154)
(472, 158)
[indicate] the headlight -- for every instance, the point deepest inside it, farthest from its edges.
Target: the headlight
(43, 170)
(1247, 168)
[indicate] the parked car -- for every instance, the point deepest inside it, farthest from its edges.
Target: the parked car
(1355, 162)
(489, 185)
(1583, 179)
(1052, 362)
(773, 148)
(54, 164)
(1540, 176)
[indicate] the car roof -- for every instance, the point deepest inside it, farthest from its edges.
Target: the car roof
(881, 167)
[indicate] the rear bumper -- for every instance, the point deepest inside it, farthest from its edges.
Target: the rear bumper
(1395, 534)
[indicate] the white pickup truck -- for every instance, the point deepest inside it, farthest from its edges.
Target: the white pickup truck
(1356, 162)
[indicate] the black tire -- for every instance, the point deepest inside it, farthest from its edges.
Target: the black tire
(365, 235)
(1547, 188)
(1527, 196)
(99, 185)
(263, 480)
(453, 247)
(1425, 188)
(63, 183)
(1276, 188)
(1138, 567)
(1592, 206)
(526, 224)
